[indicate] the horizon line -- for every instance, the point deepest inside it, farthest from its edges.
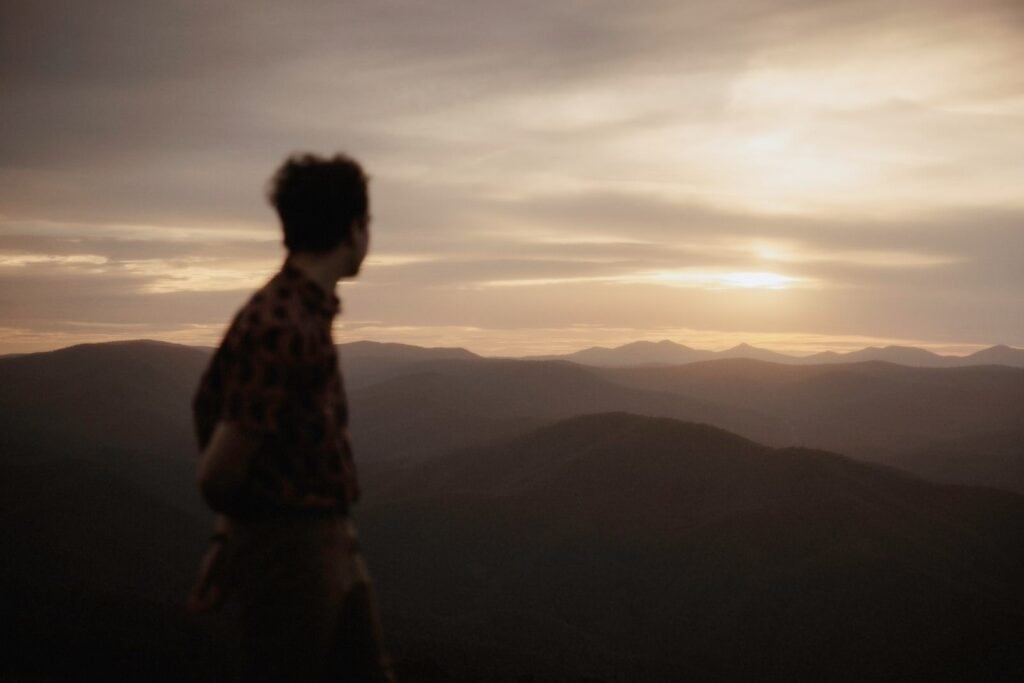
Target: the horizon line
(551, 356)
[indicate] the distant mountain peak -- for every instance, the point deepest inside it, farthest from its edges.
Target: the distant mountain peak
(642, 352)
(128, 343)
(1001, 354)
(644, 343)
(398, 348)
(999, 348)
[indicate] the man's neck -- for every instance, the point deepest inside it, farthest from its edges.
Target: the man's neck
(317, 270)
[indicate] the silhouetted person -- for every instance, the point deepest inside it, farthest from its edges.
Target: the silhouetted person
(276, 461)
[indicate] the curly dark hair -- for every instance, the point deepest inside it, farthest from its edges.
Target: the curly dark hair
(318, 199)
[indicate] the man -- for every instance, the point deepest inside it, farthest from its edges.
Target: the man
(276, 463)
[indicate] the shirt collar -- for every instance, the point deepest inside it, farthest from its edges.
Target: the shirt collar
(315, 298)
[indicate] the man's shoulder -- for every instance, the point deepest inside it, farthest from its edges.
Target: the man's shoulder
(272, 331)
(281, 302)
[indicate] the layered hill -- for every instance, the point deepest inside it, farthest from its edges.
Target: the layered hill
(874, 411)
(105, 401)
(536, 543)
(667, 352)
(441, 405)
(125, 406)
(663, 550)
(991, 459)
(366, 363)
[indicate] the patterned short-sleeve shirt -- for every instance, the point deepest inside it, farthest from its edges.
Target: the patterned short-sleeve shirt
(276, 374)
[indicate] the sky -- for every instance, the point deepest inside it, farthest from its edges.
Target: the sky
(546, 175)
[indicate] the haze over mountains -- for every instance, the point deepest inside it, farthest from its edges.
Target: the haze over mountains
(550, 519)
(668, 352)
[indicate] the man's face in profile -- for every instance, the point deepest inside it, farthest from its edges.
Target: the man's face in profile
(359, 242)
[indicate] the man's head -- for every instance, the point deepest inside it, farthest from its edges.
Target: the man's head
(323, 205)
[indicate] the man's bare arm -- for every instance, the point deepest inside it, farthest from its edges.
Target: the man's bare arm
(221, 474)
(210, 587)
(224, 464)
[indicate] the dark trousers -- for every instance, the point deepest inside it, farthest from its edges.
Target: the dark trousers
(306, 603)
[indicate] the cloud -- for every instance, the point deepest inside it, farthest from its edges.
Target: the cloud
(700, 279)
(869, 148)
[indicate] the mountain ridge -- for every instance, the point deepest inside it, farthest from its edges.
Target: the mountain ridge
(663, 352)
(109, 400)
(666, 352)
(543, 539)
(721, 553)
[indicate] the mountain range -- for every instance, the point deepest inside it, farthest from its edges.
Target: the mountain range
(546, 520)
(957, 425)
(668, 352)
(665, 550)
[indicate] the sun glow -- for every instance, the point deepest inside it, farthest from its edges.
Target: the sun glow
(194, 275)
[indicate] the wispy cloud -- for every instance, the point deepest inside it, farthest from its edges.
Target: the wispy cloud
(679, 278)
(848, 167)
(73, 260)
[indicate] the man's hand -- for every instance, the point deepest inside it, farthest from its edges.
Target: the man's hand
(208, 592)
(210, 588)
